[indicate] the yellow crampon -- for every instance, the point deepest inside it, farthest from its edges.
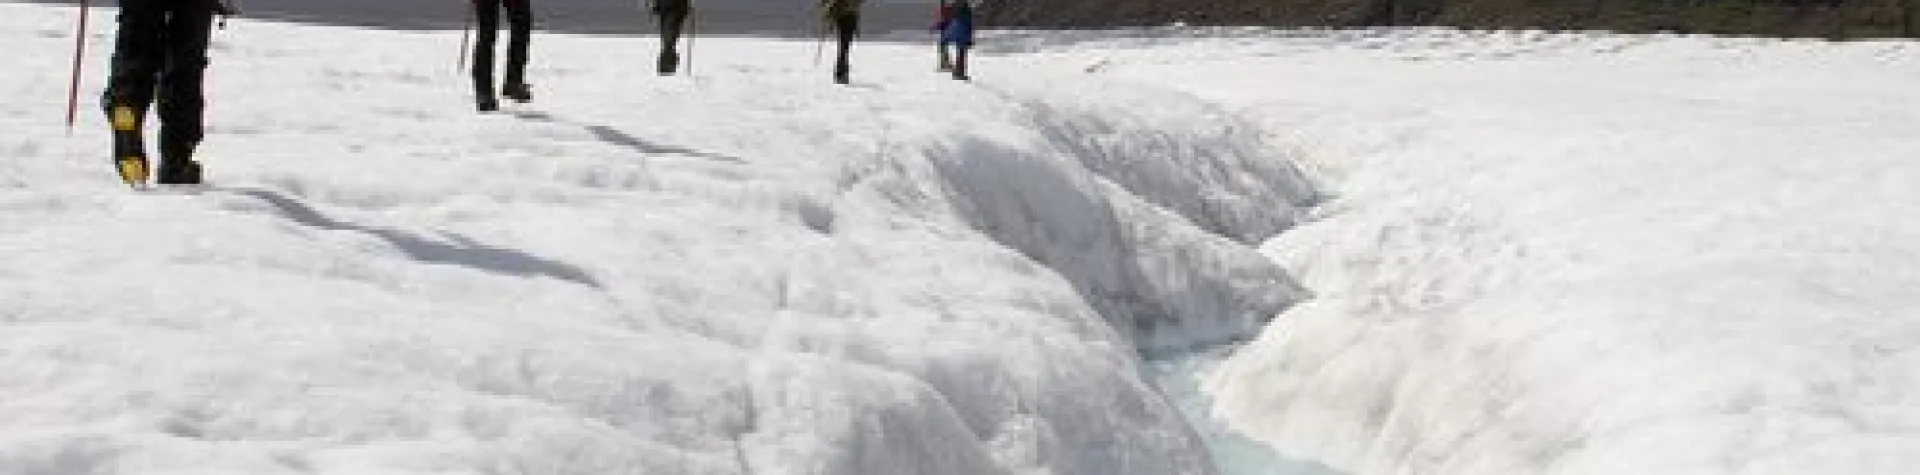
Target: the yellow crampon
(133, 168)
(125, 120)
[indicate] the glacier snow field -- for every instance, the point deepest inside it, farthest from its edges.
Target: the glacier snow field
(1162, 251)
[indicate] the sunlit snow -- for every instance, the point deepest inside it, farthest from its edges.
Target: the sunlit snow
(1395, 251)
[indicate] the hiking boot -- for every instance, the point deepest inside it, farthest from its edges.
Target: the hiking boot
(177, 166)
(669, 63)
(129, 145)
(179, 172)
(521, 93)
(487, 104)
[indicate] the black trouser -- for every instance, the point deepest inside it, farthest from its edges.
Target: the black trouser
(673, 22)
(960, 59)
(848, 25)
(520, 21)
(162, 49)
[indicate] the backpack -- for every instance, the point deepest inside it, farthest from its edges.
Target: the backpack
(666, 7)
(837, 8)
(943, 15)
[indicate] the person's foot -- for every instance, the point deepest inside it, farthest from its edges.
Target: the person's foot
(521, 93)
(487, 104)
(669, 63)
(129, 148)
(177, 166)
(180, 172)
(133, 170)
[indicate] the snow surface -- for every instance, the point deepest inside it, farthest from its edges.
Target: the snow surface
(747, 271)
(1577, 253)
(1544, 254)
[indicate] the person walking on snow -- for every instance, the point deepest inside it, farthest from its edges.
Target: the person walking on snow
(520, 22)
(844, 17)
(943, 17)
(959, 33)
(160, 50)
(673, 19)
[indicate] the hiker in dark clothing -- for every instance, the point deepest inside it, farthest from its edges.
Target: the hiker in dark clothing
(844, 17)
(943, 16)
(520, 22)
(959, 33)
(161, 49)
(673, 19)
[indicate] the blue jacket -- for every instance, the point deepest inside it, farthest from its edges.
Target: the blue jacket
(960, 29)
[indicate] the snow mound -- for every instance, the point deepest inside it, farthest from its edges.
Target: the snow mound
(1581, 254)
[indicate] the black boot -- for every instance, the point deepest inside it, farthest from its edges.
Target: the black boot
(487, 104)
(669, 62)
(183, 171)
(960, 66)
(177, 166)
(521, 93)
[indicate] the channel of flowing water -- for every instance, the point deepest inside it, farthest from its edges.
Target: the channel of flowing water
(1179, 374)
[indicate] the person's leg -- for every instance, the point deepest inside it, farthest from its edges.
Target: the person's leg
(672, 24)
(138, 57)
(520, 21)
(960, 59)
(849, 27)
(487, 32)
(182, 96)
(946, 55)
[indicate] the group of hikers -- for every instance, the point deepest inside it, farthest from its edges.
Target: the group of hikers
(955, 26)
(160, 59)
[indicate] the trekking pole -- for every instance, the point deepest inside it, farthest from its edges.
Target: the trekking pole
(79, 52)
(693, 30)
(820, 47)
(466, 38)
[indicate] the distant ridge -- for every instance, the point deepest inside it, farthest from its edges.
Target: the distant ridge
(1787, 18)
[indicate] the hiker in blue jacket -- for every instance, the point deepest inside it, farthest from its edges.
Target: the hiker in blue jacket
(943, 16)
(959, 33)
